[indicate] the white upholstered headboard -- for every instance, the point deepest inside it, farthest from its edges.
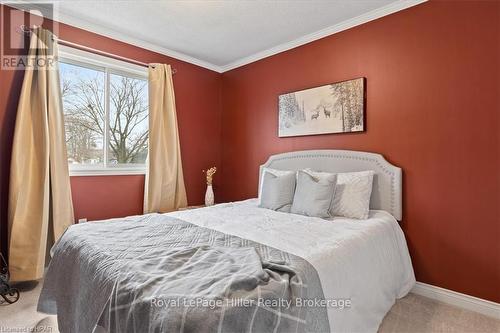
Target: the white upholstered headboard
(387, 183)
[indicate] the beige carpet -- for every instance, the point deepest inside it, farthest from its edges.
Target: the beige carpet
(22, 315)
(410, 314)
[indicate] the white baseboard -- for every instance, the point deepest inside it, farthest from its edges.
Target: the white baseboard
(463, 301)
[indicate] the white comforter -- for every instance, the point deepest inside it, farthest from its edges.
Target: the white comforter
(366, 261)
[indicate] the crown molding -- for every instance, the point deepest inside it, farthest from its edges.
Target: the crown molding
(111, 33)
(358, 20)
(99, 29)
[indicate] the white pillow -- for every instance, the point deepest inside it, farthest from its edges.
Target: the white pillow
(352, 194)
(274, 172)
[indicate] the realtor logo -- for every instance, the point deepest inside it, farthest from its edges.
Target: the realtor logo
(17, 21)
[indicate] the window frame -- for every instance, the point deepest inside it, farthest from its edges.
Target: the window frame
(108, 66)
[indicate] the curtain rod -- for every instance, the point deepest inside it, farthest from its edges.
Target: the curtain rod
(28, 30)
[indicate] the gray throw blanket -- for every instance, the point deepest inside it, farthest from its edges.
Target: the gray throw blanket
(155, 273)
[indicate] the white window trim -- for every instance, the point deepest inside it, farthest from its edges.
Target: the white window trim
(109, 66)
(70, 53)
(107, 171)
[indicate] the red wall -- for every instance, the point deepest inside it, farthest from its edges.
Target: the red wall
(101, 197)
(197, 93)
(432, 108)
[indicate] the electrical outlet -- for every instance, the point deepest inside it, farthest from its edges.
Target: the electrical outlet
(82, 220)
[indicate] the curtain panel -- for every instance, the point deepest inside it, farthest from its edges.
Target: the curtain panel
(40, 206)
(164, 189)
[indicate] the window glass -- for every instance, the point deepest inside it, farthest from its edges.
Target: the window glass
(84, 113)
(106, 117)
(128, 121)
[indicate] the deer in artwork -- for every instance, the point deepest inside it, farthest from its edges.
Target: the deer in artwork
(315, 116)
(327, 112)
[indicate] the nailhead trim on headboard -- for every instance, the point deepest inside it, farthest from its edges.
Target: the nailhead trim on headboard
(383, 167)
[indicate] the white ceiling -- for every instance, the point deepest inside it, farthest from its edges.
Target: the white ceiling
(222, 35)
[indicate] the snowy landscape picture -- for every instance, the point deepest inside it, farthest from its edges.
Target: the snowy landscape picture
(332, 108)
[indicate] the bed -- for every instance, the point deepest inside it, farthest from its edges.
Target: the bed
(108, 274)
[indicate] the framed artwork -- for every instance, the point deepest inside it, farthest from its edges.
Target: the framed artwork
(332, 108)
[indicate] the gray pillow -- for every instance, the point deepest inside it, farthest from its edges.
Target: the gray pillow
(313, 195)
(277, 191)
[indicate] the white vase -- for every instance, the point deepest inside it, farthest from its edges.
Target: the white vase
(209, 196)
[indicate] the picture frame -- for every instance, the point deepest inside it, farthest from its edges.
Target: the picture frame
(328, 109)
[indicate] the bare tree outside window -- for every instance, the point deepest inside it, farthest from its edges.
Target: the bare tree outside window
(128, 123)
(89, 126)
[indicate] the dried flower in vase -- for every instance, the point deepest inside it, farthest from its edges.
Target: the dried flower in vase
(210, 173)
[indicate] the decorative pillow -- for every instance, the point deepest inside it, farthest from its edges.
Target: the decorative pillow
(325, 176)
(277, 191)
(275, 172)
(313, 195)
(352, 194)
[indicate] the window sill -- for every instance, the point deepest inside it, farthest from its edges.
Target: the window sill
(107, 172)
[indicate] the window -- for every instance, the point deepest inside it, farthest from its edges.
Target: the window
(105, 103)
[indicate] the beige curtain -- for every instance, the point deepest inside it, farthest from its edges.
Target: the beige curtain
(40, 206)
(164, 189)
